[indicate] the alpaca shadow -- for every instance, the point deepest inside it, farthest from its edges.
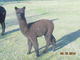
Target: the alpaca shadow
(65, 40)
(15, 30)
(8, 33)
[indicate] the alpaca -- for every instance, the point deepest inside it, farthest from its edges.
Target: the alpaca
(36, 29)
(2, 18)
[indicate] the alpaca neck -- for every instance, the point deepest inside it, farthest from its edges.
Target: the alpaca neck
(23, 24)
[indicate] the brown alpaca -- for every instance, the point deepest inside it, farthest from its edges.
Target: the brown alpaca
(36, 29)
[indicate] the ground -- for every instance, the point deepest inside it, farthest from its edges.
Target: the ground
(13, 45)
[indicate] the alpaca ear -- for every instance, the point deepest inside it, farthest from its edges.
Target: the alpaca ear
(24, 7)
(16, 8)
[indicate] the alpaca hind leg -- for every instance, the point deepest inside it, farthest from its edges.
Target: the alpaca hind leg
(53, 42)
(29, 46)
(3, 28)
(47, 38)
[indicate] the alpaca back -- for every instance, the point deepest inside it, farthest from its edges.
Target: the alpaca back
(41, 27)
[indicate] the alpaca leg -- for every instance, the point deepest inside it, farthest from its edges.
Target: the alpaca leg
(3, 28)
(35, 45)
(53, 42)
(29, 46)
(47, 38)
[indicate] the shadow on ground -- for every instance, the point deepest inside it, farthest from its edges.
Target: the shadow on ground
(65, 40)
(15, 30)
(8, 33)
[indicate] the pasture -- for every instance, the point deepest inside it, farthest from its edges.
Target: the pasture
(13, 45)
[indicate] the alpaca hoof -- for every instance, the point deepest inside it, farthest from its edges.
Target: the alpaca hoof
(37, 55)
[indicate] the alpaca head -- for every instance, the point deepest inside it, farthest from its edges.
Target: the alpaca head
(20, 12)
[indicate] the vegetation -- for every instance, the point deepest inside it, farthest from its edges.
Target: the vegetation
(13, 45)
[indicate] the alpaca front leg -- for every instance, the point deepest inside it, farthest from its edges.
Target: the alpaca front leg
(3, 28)
(35, 45)
(29, 46)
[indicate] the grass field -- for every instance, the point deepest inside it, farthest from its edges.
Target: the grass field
(13, 45)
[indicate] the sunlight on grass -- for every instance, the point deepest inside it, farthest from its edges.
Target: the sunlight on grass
(13, 45)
